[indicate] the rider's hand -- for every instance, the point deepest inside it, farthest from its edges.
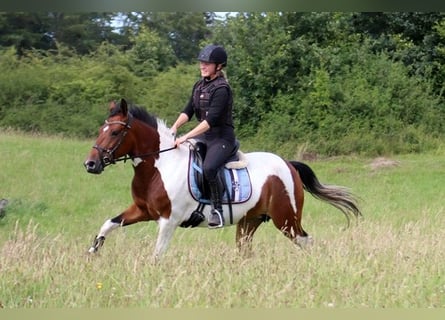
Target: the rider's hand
(173, 130)
(180, 140)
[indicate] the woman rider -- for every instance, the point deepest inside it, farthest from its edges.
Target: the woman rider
(211, 102)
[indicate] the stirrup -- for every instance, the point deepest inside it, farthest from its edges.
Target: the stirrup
(213, 224)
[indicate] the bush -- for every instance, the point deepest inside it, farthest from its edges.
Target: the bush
(345, 99)
(371, 106)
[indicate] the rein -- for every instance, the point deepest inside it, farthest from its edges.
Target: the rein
(127, 157)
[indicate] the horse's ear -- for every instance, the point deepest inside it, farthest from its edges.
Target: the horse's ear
(124, 107)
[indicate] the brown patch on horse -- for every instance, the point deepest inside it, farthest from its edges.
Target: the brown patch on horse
(150, 198)
(245, 229)
(247, 226)
(158, 201)
(148, 190)
(275, 202)
(132, 214)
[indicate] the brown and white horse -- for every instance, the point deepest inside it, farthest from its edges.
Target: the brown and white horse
(161, 192)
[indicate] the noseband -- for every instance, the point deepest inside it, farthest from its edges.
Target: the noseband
(107, 155)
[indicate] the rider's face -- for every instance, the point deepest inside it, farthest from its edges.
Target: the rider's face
(207, 69)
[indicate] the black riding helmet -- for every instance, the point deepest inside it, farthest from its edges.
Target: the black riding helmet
(213, 54)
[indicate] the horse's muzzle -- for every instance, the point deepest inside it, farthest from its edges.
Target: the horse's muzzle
(92, 166)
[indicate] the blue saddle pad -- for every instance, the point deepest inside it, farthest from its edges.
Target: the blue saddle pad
(237, 181)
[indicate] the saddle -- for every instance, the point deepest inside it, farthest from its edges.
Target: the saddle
(237, 187)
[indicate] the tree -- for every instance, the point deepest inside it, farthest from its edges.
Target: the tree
(439, 64)
(411, 37)
(150, 54)
(184, 31)
(25, 31)
(82, 32)
(269, 53)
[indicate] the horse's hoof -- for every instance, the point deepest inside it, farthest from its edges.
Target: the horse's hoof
(97, 243)
(304, 242)
(92, 250)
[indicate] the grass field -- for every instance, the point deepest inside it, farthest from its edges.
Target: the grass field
(393, 258)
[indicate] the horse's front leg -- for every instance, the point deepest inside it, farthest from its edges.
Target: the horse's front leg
(132, 215)
(165, 233)
(106, 228)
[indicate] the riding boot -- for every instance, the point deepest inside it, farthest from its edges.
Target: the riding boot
(216, 217)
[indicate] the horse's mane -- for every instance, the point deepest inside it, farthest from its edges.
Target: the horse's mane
(143, 115)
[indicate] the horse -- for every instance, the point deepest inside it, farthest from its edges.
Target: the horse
(162, 193)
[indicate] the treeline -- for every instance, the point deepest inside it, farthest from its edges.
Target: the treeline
(330, 83)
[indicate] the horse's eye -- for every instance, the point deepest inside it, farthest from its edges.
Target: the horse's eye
(114, 133)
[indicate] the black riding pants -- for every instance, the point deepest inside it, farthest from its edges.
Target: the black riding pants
(218, 151)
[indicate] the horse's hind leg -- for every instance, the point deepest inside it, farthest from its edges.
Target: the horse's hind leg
(245, 229)
(132, 215)
(286, 215)
(290, 226)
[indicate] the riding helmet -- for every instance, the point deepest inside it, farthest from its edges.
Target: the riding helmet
(213, 54)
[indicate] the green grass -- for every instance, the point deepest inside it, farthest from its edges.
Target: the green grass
(394, 257)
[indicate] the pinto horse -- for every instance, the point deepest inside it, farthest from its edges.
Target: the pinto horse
(161, 190)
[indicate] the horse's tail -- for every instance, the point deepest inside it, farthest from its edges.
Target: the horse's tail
(337, 196)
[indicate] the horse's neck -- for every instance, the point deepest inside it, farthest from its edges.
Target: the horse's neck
(158, 142)
(167, 140)
(167, 158)
(173, 159)
(145, 150)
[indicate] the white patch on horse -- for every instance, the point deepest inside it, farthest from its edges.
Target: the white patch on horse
(107, 227)
(137, 161)
(106, 128)
(172, 166)
(289, 184)
(166, 229)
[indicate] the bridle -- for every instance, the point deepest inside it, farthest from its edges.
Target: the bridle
(107, 155)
